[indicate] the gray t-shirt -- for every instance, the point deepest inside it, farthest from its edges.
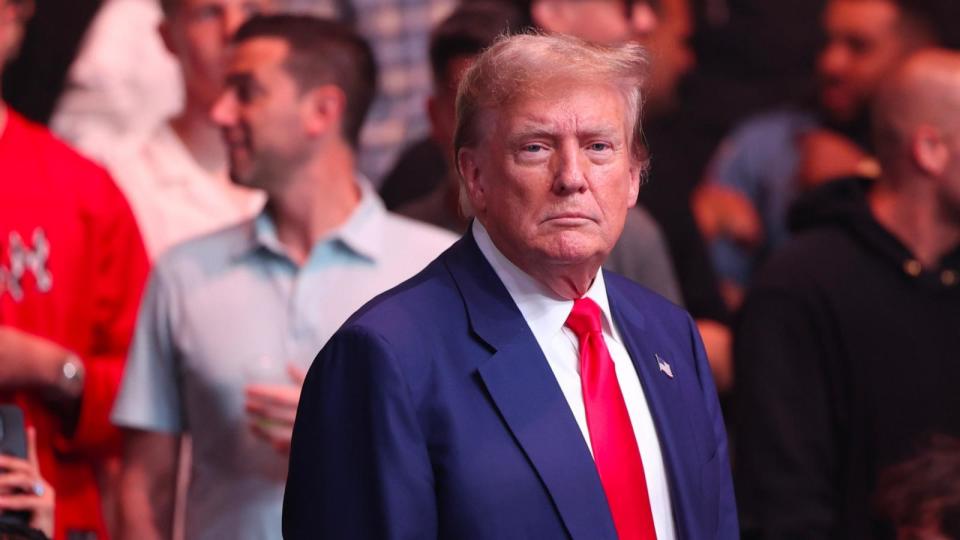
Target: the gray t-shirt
(641, 254)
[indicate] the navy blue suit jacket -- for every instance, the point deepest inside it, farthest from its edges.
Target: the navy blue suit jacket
(432, 413)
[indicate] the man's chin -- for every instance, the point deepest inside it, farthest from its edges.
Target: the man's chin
(840, 111)
(574, 248)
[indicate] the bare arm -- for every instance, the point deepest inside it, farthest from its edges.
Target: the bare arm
(148, 485)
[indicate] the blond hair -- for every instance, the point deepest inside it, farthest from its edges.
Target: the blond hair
(521, 66)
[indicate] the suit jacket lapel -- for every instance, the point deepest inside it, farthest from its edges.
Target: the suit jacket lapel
(525, 392)
(674, 429)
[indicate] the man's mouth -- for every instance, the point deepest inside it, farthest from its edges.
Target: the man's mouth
(569, 218)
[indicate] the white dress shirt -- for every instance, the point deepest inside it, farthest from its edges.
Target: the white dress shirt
(546, 314)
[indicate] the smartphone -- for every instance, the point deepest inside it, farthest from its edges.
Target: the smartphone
(13, 442)
(13, 432)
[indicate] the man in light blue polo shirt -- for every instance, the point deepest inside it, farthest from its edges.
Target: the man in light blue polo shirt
(231, 321)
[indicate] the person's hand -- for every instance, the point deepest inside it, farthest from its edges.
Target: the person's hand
(826, 155)
(722, 212)
(718, 343)
(272, 408)
(22, 489)
(28, 361)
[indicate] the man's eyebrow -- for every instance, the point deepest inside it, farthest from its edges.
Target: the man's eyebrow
(601, 132)
(239, 79)
(531, 131)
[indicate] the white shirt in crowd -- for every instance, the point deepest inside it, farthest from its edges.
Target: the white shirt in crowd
(123, 84)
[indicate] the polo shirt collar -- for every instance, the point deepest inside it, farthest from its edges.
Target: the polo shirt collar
(361, 233)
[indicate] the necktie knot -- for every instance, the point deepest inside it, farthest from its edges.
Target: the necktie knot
(584, 318)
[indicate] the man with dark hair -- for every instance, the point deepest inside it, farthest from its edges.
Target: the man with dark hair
(846, 348)
(232, 319)
(72, 266)
(423, 185)
(321, 53)
(422, 170)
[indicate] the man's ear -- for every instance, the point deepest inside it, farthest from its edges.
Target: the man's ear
(930, 151)
(323, 110)
(166, 34)
(468, 164)
(634, 188)
(549, 15)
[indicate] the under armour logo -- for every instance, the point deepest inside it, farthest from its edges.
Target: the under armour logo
(664, 366)
(22, 259)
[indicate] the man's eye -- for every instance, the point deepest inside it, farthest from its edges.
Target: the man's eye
(858, 46)
(244, 93)
(599, 147)
(533, 148)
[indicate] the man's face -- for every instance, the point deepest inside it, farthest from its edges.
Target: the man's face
(672, 53)
(261, 113)
(554, 178)
(198, 33)
(865, 42)
(12, 15)
(607, 22)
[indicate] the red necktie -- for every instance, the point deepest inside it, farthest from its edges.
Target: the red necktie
(611, 433)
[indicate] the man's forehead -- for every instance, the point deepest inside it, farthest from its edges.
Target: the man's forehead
(866, 15)
(258, 52)
(583, 109)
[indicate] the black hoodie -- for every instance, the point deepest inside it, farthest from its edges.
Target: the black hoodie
(847, 358)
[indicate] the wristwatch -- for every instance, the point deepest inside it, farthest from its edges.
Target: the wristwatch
(71, 374)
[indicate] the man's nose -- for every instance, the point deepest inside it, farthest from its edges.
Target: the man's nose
(643, 19)
(833, 60)
(224, 110)
(570, 170)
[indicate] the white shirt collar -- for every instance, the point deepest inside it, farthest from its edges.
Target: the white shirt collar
(544, 311)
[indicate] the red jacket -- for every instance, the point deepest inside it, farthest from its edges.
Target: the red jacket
(72, 266)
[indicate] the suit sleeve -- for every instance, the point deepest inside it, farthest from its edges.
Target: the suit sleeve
(120, 268)
(359, 466)
(787, 438)
(727, 524)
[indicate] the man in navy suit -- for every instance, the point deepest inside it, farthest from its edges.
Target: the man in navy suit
(512, 389)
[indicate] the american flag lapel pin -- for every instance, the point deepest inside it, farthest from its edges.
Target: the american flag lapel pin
(663, 365)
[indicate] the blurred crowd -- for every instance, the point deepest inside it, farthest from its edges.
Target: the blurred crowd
(195, 194)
